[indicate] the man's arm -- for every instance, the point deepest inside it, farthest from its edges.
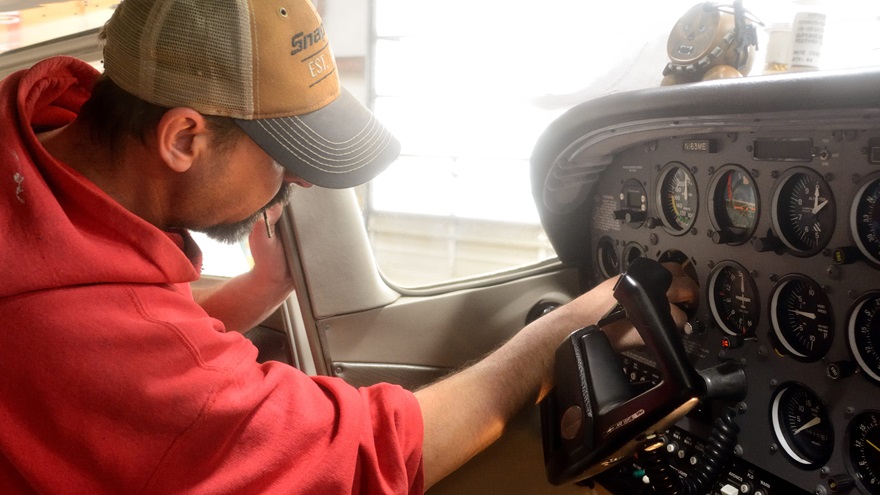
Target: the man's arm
(243, 302)
(466, 412)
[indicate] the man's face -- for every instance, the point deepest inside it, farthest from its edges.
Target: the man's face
(236, 185)
(230, 233)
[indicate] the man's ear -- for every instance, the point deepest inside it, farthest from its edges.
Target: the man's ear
(181, 135)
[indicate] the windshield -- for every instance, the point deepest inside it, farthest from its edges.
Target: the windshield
(26, 22)
(849, 32)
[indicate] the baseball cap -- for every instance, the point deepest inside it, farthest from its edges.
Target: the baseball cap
(265, 63)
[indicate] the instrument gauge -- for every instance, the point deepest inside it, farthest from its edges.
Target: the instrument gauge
(803, 211)
(733, 205)
(801, 425)
(800, 314)
(607, 258)
(677, 198)
(733, 299)
(864, 220)
(863, 333)
(863, 450)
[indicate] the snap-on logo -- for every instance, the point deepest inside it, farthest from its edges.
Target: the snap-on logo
(302, 41)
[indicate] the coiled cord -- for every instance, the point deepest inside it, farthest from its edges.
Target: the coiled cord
(718, 450)
(664, 479)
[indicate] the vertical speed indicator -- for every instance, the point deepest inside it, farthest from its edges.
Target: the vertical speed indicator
(802, 425)
(863, 450)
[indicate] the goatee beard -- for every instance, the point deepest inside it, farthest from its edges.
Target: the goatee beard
(231, 233)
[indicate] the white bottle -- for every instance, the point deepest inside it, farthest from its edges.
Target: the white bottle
(777, 56)
(808, 33)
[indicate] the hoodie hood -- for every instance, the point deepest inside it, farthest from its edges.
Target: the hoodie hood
(59, 229)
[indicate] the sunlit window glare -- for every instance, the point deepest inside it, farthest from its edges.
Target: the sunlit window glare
(223, 260)
(469, 86)
(24, 23)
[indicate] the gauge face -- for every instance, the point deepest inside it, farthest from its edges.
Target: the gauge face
(800, 313)
(606, 256)
(803, 211)
(863, 450)
(863, 333)
(677, 198)
(864, 220)
(801, 425)
(733, 299)
(734, 204)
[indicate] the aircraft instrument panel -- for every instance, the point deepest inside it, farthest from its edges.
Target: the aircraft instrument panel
(768, 194)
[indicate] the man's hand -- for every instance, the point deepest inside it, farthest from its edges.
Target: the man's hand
(270, 263)
(467, 411)
(683, 295)
(241, 303)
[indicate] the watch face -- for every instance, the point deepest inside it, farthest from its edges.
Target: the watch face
(699, 30)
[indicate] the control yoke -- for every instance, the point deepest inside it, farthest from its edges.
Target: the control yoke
(594, 417)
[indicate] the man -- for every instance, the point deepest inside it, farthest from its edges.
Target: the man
(115, 380)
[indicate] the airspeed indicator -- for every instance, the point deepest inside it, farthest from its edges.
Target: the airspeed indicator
(677, 198)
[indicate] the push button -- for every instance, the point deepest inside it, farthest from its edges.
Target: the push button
(729, 490)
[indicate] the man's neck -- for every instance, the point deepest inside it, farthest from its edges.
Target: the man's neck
(123, 177)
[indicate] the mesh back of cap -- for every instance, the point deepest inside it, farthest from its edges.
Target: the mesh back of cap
(193, 53)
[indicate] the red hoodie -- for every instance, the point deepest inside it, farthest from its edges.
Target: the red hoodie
(115, 381)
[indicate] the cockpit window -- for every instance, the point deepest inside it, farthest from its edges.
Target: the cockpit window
(28, 22)
(468, 86)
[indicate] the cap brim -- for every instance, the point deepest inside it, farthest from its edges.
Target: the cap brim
(339, 146)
